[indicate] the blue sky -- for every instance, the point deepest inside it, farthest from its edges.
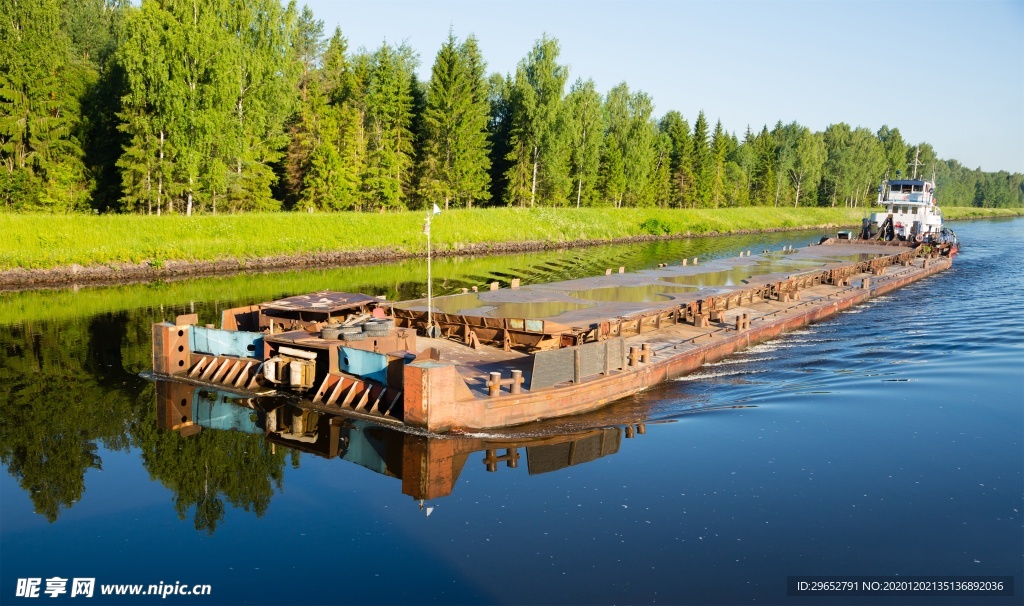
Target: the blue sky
(948, 73)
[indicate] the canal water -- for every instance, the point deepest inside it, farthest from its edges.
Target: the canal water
(884, 441)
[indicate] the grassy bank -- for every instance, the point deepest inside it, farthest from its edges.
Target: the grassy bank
(955, 213)
(35, 241)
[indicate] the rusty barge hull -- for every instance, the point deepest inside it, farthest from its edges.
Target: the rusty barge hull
(681, 351)
(572, 367)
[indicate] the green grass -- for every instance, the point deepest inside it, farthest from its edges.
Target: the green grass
(45, 241)
(955, 213)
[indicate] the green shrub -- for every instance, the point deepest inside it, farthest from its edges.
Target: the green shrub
(656, 227)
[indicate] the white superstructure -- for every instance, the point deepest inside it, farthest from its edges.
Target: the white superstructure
(910, 210)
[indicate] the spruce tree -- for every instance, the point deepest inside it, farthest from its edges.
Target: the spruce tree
(455, 150)
(762, 185)
(39, 110)
(702, 163)
(499, 130)
(719, 149)
(388, 173)
(680, 168)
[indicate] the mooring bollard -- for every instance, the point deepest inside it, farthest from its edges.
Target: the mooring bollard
(629, 432)
(494, 385)
(866, 284)
(622, 270)
(517, 382)
(634, 356)
(515, 283)
(645, 353)
(495, 286)
(608, 272)
(641, 429)
(684, 262)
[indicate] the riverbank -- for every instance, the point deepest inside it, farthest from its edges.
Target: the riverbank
(50, 250)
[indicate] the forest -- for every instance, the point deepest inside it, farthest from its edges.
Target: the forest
(225, 106)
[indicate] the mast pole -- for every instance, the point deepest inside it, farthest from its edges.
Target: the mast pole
(430, 281)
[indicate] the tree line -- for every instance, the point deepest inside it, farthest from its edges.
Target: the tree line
(229, 106)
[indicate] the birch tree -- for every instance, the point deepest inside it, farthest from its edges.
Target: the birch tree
(535, 98)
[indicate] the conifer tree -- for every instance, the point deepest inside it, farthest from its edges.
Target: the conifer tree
(702, 163)
(762, 182)
(661, 177)
(455, 148)
(39, 110)
(680, 168)
(389, 100)
(719, 149)
(499, 129)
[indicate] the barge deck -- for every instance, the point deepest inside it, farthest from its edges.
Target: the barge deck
(516, 355)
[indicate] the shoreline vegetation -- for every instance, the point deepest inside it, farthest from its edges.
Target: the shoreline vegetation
(53, 250)
(165, 108)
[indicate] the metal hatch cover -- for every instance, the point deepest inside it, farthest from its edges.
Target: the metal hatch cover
(324, 301)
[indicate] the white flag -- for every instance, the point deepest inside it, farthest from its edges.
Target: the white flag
(437, 210)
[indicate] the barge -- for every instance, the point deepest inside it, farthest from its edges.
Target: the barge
(509, 356)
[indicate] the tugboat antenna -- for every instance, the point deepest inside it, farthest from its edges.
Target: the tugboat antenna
(917, 151)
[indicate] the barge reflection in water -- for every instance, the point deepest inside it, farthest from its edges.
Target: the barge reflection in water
(427, 466)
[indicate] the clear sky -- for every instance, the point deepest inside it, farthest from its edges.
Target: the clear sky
(950, 73)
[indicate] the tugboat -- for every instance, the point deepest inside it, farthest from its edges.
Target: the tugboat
(910, 215)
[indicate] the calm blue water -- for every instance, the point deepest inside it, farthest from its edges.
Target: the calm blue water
(886, 441)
